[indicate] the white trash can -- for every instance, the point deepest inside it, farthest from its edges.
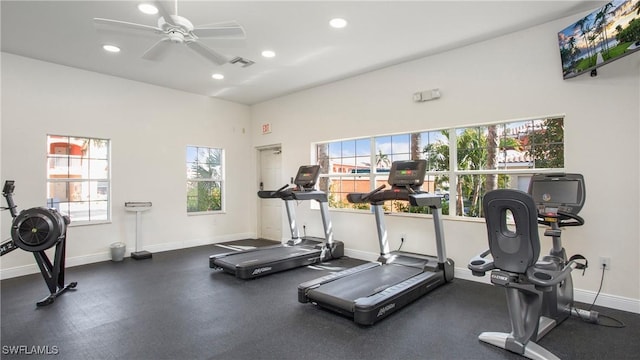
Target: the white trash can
(117, 251)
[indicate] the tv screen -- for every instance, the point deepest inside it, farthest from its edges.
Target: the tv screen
(606, 34)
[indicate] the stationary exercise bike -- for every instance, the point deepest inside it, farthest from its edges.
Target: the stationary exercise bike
(539, 293)
(36, 230)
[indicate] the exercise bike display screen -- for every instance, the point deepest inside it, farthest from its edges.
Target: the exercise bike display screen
(560, 192)
(410, 172)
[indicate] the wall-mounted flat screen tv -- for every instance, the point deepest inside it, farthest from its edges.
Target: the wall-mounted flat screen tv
(606, 34)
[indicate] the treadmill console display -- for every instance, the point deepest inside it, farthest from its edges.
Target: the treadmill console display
(409, 172)
(307, 176)
(558, 192)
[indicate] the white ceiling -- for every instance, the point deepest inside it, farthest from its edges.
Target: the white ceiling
(309, 52)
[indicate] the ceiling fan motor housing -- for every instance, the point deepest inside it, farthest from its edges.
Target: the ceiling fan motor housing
(181, 23)
(178, 32)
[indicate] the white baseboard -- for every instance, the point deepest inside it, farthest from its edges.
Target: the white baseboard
(18, 271)
(105, 256)
(69, 262)
(198, 242)
(609, 301)
(362, 255)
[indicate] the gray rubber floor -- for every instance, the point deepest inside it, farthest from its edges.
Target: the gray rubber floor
(174, 307)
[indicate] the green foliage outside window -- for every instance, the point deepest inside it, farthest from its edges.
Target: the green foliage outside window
(204, 196)
(487, 157)
(548, 145)
(204, 179)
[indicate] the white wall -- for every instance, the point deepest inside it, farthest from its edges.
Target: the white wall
(511, 77)
(149, 128)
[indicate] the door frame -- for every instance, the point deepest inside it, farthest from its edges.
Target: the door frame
(259, 150)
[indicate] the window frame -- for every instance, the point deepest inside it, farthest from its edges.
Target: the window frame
(216, 178)
(89, 179)
(453, 172)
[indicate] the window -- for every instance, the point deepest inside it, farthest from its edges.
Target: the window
(462, 163)
(205, 178)
(346, 167)
(78, 177)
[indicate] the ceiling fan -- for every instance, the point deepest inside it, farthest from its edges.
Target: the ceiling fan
(176, 29)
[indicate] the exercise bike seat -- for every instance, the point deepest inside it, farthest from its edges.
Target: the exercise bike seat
(512, 251)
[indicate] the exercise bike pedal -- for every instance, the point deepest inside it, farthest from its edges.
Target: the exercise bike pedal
(580, 266)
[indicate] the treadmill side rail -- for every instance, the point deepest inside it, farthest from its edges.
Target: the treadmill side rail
(257, 270)
(213, 259)
(253, 263)
(312, 284)
(376, 307)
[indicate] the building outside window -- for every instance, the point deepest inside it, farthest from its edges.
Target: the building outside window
(78, 177)
(205, 179)
(462, 163)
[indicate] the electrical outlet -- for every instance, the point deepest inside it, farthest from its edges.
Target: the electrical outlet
(403, 237)
(605, 262)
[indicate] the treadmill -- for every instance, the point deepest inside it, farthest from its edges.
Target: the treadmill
(372, 291)
(297, 252)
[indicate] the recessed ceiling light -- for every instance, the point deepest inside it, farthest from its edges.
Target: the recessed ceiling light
(217, 76)
(111, 48)
(338, 23)
(148, 9)
(268, 54)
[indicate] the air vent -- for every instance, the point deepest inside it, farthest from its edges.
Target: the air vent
(242, 61)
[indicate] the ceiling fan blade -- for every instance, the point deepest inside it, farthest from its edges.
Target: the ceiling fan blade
(126, 25)
(162, 11)
(207, 53)
(222, 30)
(157, 51)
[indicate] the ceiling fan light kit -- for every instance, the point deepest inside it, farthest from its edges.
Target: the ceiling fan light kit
(268, 53)
(148, 9)
(111, 48)
(338, 23)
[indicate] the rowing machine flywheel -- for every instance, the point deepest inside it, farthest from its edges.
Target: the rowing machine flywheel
(38, 229)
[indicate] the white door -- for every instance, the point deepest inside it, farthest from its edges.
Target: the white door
(271, 179)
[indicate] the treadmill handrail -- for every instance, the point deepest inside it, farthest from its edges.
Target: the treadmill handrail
(317, 195)
(361, 198)
(371, 193)
(433, 201)
(273, 194)
(395, 193)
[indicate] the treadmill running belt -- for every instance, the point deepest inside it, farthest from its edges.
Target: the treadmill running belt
(265, 256)
(343, 292)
